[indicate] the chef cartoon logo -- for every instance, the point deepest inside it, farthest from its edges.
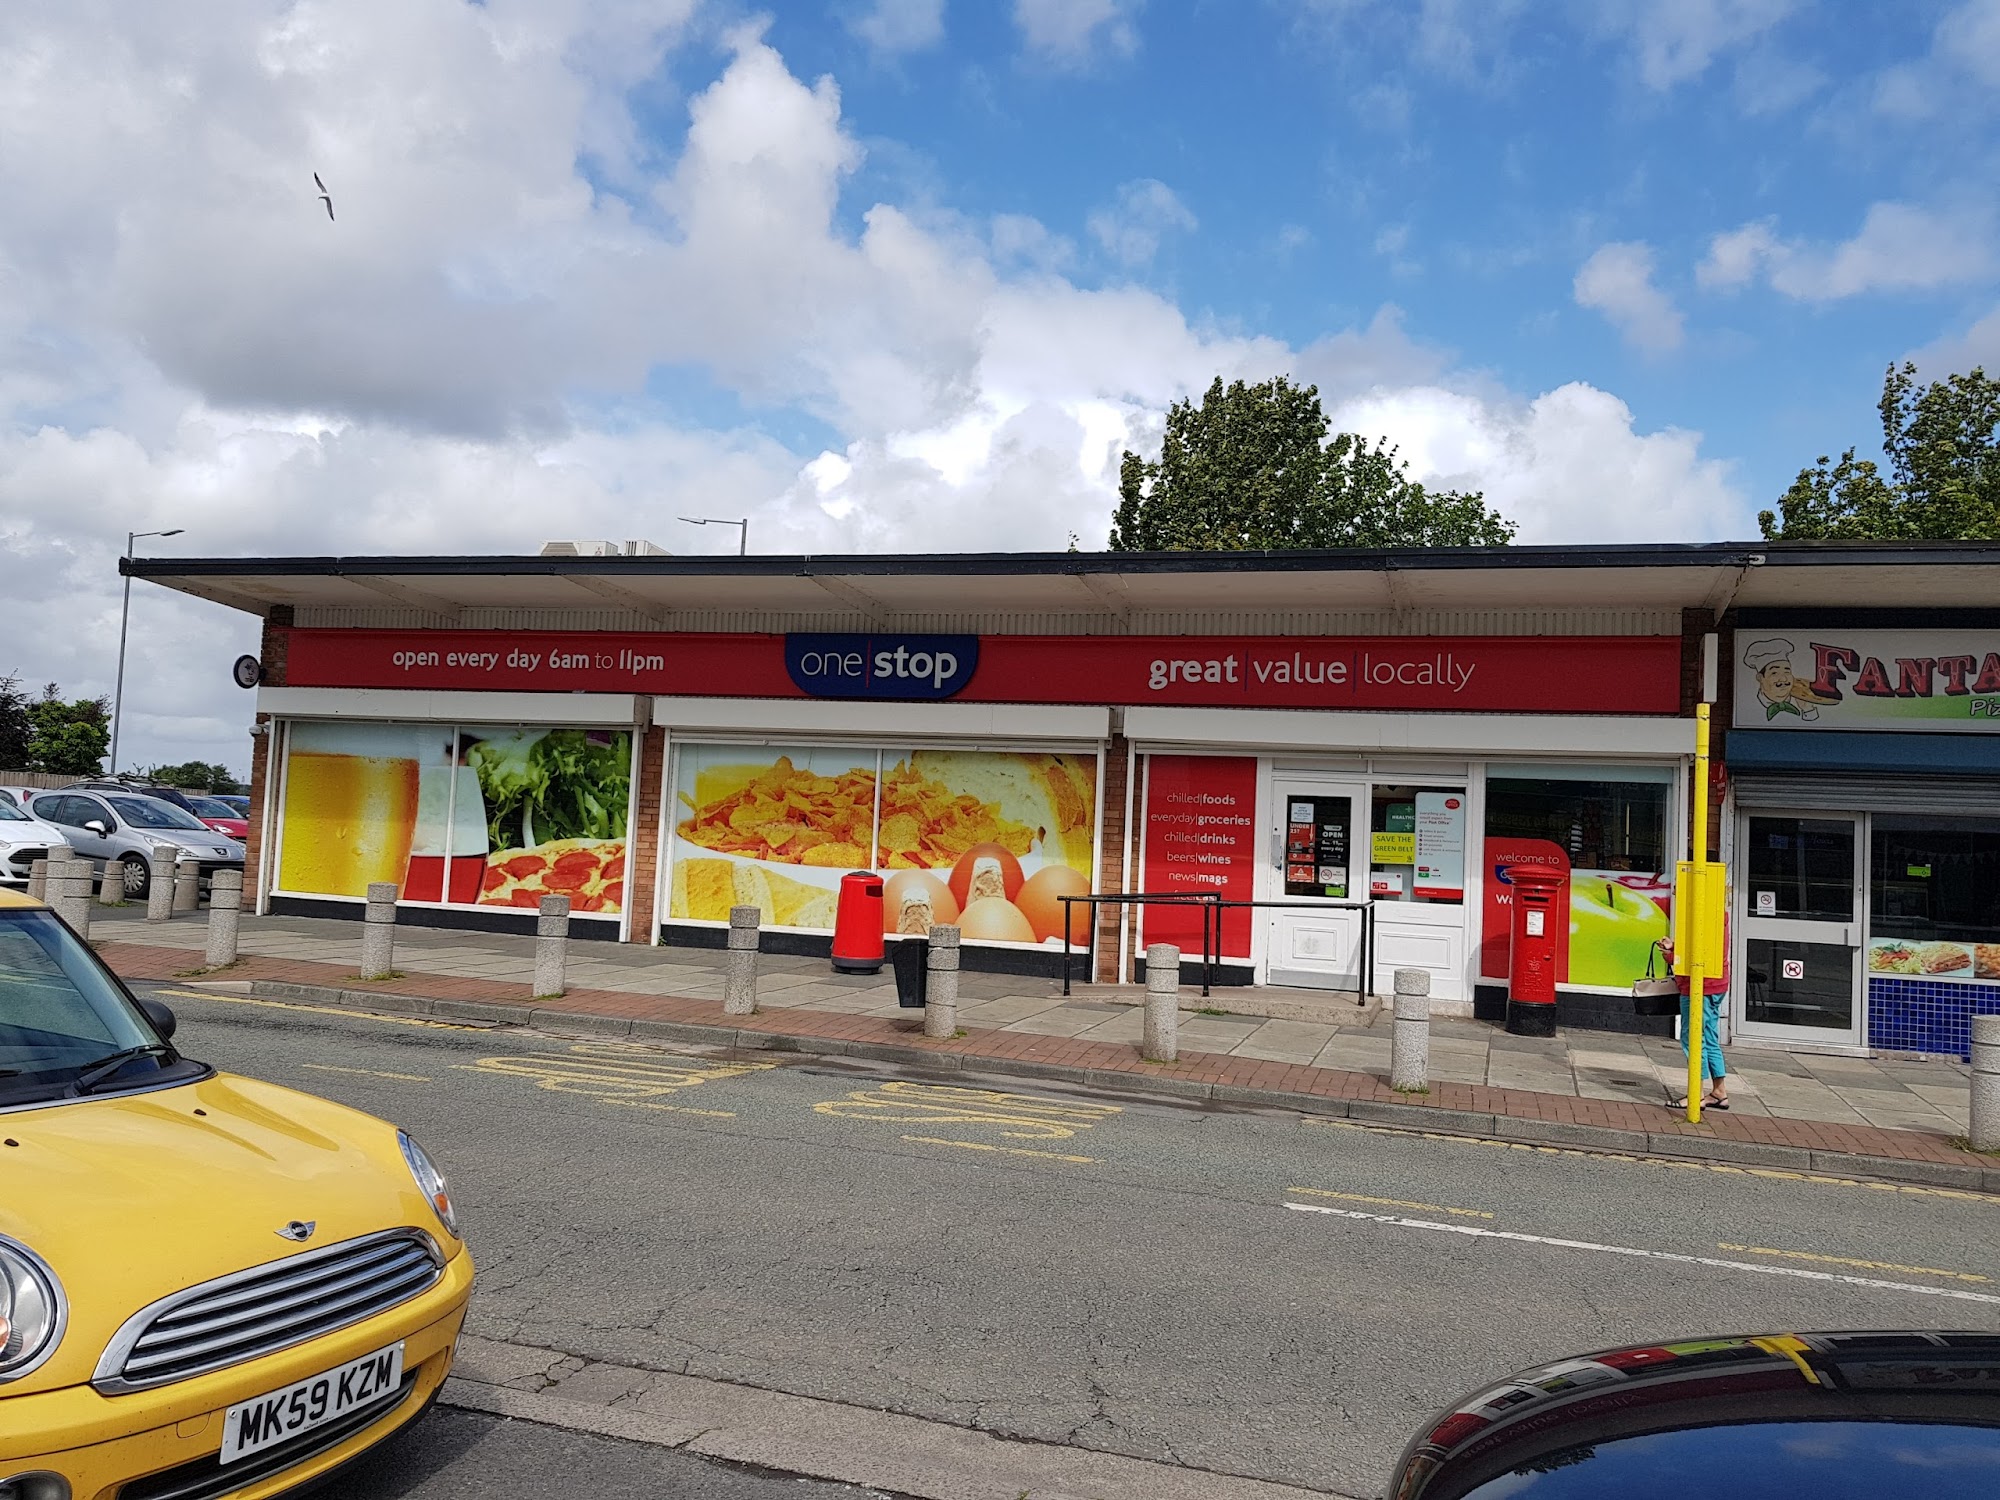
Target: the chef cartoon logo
(1779, 690)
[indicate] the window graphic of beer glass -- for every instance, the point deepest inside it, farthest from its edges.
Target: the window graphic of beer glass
(350, 807)
(428, 847)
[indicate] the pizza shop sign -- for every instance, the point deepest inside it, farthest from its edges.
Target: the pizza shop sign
(1926, 680)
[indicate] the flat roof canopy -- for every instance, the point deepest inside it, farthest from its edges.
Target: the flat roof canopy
(1709, 575)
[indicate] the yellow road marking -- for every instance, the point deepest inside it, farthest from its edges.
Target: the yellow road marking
(1780, 1173)
(1436, 1208)
(1842, 1260)
(617, 1073)
(367, 1072)
(323, 1010)
(1024, 1117)
(932, 1140)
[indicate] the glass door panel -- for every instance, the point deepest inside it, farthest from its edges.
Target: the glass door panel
(1798, 958)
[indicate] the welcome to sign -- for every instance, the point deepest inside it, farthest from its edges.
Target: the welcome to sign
(1921, 680)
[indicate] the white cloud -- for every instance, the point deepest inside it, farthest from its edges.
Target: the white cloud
(1617, 281)
(1675, 41)
(1736, 256)
(894, 27)
(1567, 465)
(1957, 77)
(1899, 247)
(1144, 212)
(1073, 33)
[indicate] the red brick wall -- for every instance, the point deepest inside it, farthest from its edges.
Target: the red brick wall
(1111, 859)
(645, 835)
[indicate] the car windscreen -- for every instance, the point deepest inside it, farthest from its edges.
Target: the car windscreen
(151, 812)
(213, 807)
(9, 813)
(59, 1012)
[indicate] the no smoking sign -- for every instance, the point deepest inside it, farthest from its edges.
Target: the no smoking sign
(1793, 968)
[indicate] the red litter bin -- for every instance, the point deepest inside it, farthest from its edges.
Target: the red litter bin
(857, 925)
(1541, 917)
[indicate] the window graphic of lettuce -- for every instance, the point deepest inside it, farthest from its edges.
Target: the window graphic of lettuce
(546, 784)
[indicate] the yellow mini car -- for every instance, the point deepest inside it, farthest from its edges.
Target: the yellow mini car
(209, 1286)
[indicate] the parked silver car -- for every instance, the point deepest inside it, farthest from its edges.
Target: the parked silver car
(23, 840)
(127, 827)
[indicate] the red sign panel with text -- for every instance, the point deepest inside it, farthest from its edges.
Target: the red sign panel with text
(1467, 674)
(1200, 836)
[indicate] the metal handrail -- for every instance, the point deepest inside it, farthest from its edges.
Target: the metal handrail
(1213, 905)
(1211, 933)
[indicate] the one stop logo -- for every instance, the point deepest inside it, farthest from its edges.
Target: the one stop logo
(881, 666)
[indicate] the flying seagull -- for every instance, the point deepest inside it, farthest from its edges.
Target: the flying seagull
(324, 196)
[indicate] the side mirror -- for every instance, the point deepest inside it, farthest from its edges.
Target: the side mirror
(96, 826)
(160, 1015)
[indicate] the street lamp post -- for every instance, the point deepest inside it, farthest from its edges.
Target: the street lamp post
(125, 619)
(742, 529)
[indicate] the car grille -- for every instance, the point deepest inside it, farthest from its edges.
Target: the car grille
(256, 1312)
(19, 861)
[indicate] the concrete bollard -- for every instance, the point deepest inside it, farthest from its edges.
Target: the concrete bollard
(1163, 998)
(551, 946)
(941, 983)
(378, 931)
(38, 880)
(1410, 1041)
(225, 917)
(187, 884)
(160, 893)
(739, 980)
(1985, 1132)
(71, 889)
(111, 886)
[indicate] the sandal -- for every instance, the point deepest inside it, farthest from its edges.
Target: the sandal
(1711, 1102)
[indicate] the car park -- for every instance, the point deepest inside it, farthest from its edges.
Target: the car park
(209, 1285)
(130, 829)
(24, 839)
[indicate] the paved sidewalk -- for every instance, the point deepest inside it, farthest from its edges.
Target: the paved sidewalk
(1900, 1109)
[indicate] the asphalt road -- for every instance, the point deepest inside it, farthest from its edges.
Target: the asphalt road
(463, 1455)
(1250, 1293)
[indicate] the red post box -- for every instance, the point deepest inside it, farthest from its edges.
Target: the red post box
(1540, 913)
(857, 924)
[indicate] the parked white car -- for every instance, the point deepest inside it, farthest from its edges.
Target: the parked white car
(23, 840)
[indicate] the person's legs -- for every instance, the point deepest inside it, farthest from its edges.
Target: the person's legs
(1712, 1064)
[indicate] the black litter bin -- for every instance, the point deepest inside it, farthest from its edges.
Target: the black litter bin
(910, 958)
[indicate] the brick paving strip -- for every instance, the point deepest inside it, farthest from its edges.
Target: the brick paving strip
(1518, 1115)
(819, 1439)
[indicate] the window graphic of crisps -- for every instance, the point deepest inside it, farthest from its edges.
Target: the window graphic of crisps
(783, 815)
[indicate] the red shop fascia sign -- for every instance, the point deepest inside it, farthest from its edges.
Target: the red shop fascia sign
(1464, 674)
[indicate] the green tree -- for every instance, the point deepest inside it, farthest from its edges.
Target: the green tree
(196, 776)
(16, 730)
(1943, 445)
(68, 738)
(1252, 469)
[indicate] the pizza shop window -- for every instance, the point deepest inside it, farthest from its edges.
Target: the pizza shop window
(1416, 844)
(1936, 880)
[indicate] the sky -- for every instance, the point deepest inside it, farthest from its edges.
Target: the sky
(913, 274)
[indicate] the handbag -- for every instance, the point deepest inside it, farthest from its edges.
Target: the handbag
(1656, 996)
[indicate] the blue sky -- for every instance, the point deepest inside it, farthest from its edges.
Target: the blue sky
(912, 274)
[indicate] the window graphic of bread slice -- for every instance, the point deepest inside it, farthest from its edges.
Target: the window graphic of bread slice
(705, 889)
(1054, 794)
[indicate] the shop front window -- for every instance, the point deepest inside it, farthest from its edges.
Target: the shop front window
(1416, 844)
(1606, 829)
(1934, 897)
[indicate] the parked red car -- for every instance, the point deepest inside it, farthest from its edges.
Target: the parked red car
(220, 816)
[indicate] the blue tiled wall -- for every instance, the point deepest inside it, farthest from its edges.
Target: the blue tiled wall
(1926, 1015)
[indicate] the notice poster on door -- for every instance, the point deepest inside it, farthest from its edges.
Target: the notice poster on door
(1440, 846)
(1200, 836)
(1316, 838)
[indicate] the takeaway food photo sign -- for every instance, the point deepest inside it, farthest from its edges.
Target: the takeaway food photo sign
(1931, 681)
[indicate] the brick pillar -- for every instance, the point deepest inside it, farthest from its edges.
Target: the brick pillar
(272, 654)
(645, 834)
(1111, 860)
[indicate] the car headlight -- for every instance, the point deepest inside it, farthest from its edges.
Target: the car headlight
(430, 1181)
(32, 1310)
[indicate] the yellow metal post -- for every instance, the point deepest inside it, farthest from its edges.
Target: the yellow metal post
(1696, 917)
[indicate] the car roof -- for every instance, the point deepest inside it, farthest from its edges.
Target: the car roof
(12, 898)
